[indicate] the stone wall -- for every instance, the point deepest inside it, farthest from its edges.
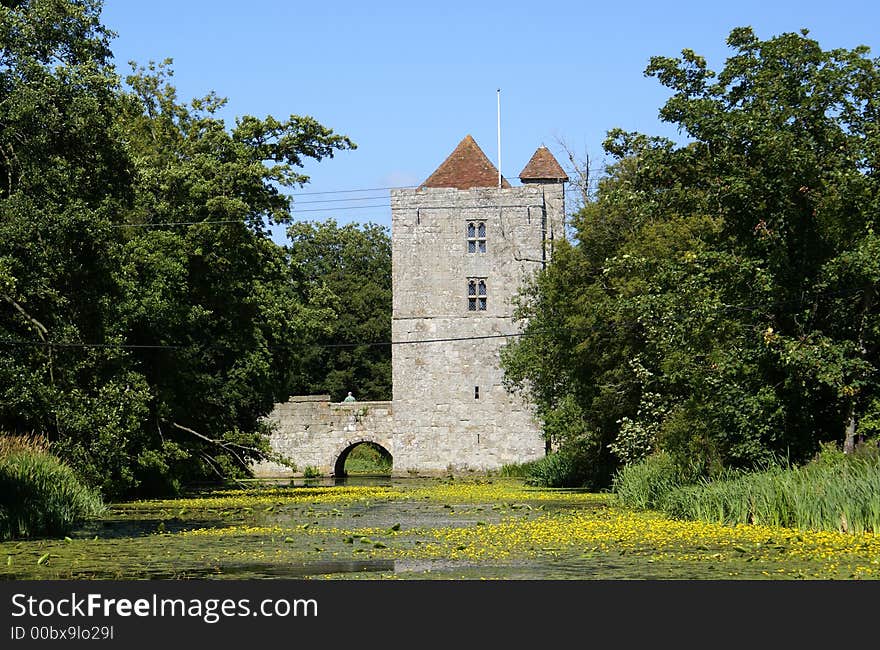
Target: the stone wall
(452, 412)
(314, 432)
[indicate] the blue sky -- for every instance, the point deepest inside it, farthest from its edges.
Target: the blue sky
(408, 80)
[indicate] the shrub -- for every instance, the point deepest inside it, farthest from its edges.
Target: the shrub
(560, 469)
(40, 495)
(310, 471)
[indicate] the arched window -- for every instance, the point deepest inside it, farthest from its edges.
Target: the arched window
(476, 294)
(476, 236)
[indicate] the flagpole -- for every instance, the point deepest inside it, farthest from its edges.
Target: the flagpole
(499, 138)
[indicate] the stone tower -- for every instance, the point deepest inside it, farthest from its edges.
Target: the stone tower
(461, 247)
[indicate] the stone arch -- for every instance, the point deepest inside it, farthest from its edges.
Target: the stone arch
(342, 452)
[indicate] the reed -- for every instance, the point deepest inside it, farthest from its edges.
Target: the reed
(516, 470)
(842, 495)
(646, 485)
(39, 494)
(29, 442)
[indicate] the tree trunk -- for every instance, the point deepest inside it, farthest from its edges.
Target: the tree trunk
(849, 439)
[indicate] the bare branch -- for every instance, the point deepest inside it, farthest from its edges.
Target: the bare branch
(214, 467)
(41, 329)
(224, 445)
(578, 169)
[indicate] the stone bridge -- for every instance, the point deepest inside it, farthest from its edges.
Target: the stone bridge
(318, 433)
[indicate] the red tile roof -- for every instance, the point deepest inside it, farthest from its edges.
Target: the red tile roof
(466, 167)
(543, 167)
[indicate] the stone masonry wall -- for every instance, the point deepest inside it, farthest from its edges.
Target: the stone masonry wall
(313, 431)
(441, 423)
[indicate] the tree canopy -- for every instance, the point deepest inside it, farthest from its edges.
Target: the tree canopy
(147, 320)
(350, 267)
(719, 298)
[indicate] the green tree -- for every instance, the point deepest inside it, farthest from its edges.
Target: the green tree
(351, 266)
(65, 179)
(149, 318)
(721, 293)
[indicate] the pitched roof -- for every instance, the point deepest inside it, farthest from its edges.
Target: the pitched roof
(466, 167)
(543, 167)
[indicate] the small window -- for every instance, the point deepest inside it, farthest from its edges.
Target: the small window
(476, 236)
(476, 294)
(476, 392)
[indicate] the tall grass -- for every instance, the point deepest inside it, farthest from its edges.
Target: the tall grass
(834, 493)
(646, 485)
(10, 444)
(517, 470)
(39, 494)
(843, 497)
(558, 469)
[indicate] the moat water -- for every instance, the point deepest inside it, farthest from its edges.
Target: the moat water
(423, 529)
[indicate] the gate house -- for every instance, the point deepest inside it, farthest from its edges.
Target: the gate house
(461, 248)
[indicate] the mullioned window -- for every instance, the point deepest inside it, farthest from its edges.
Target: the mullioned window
(476, 236)
(476, 294)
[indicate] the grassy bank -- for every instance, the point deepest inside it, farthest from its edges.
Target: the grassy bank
(835, 492)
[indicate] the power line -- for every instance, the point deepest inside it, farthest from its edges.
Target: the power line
(337, 210)
(21, 343)
(596, 170)
(443, 340)
(176, 223)
(138, 346)
(368, 189)
(157, 224)
(354, 198)
(349, 207)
